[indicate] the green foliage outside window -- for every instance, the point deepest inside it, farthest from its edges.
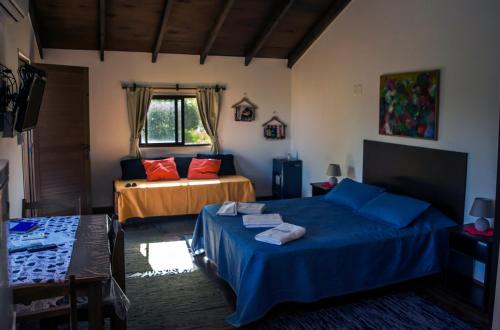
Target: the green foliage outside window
(193, 128)
(161, 123)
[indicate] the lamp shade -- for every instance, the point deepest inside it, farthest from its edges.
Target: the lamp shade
(482, 207)
(333, 170)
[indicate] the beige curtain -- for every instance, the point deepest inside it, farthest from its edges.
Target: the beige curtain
(209, 100)
(138, 100)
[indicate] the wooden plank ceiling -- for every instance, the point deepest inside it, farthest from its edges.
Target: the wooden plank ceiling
(245, 28)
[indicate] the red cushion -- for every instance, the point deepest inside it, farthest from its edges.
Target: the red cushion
(204, 168)
(163, 169)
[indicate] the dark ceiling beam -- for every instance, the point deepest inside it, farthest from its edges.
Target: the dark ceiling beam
(163, 27)
(324, 21)
(272, 23)
(36, 27)
(215, 30)
(102, 27)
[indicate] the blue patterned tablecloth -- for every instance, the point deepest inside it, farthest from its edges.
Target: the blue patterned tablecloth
(44, 266)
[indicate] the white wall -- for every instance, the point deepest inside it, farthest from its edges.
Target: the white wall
(266, 83)
(371, 38)
(14, 37)
(496, 307)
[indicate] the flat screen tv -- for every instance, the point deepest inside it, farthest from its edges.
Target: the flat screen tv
(29, 103)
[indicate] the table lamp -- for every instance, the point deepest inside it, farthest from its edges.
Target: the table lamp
(482, 208)
(333, 171)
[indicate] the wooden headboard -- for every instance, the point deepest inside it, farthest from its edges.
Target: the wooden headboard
(436, 176)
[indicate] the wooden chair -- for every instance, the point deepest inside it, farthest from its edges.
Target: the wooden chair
(57, 315)
(117, 259)
(47, 315)
(117, 247)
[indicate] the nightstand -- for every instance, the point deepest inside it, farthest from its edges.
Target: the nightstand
(468, 254)
(318, 189)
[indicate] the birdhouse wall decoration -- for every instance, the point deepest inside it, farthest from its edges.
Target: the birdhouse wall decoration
(274, 129)
(244, 110)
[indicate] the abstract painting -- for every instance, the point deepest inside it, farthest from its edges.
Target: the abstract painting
(409, 104)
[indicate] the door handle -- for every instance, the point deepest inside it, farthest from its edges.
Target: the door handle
(86, 150)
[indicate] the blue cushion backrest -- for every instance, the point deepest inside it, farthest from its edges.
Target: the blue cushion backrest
(182, 164)
(227, 163)
(396, 210)
(132, 169)
(352, 194)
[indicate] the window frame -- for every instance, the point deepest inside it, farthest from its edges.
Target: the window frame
(176, 99)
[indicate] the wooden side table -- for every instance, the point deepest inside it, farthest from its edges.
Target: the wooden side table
(464, 251)
(318, 189)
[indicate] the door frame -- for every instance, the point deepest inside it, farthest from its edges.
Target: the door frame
(31, 163)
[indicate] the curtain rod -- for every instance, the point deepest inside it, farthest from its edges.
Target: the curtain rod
(176, 86)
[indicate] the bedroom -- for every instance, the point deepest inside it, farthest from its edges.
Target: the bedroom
(329, 101)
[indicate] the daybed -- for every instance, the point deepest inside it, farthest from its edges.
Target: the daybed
(179, 197)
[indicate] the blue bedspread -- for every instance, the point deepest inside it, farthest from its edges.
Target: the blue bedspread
(341, 253)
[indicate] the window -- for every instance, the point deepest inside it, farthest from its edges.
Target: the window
(173, 121)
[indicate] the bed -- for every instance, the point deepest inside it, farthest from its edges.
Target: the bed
(342, 251)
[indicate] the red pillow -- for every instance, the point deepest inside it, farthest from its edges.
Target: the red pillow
(204, 168)
(163, 169)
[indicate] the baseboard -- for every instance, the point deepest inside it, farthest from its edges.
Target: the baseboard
(103, 210)
(265, 198)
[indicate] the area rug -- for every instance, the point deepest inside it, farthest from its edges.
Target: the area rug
(176, 301)
(399, 311)
(185, 298)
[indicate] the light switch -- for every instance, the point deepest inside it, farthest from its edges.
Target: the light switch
(358, 89)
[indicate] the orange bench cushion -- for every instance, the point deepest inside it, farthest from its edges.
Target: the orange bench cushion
(184, 196)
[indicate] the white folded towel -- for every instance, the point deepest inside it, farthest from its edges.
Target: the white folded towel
(281, 234)
(228, 209)
(262, 220)
(250, 208)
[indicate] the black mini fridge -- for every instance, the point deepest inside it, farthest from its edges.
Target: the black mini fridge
(287, 178)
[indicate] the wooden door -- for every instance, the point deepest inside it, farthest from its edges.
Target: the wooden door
(60, 143)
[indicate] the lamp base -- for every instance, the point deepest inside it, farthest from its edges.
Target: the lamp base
(482, 224)
(333, 180)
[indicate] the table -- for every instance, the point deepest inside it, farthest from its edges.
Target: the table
(90, 264)
(464, 250)
(318, 189)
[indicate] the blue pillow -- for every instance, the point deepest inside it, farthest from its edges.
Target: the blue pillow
(395, 210)
(353, 194)
(132, 169)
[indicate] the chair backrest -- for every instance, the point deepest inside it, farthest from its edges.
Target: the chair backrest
(117, 247)
(49, 291)
(73, 310)
(48, 207)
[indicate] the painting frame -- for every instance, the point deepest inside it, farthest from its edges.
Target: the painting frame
(409, 104)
